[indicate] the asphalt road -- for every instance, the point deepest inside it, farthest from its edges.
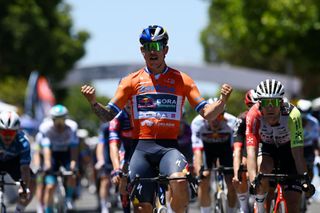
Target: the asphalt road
(88, 203)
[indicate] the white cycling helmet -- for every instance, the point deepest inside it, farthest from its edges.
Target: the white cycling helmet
(58, 111)
(212, 100)
(270, 89)
(304, 105)
(9, 120)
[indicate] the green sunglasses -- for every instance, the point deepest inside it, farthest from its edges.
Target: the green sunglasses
(153, 46)
(273, 102)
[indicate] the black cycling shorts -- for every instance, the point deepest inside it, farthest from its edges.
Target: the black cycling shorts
(283, 160)
(151, 158)
(221, 151)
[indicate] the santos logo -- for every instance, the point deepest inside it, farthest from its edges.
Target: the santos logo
(166, 101)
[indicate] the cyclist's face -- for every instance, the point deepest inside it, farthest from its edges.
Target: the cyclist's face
(154, 54)
(216, 123)
(7, 136)
(59, 123)
(271, 110)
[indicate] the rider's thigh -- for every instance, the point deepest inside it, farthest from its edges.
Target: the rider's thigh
(173, 162)
(140, 166)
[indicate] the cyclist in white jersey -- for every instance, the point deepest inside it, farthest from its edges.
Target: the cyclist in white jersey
(274, 132)
(212, 140)
(311, 133)
(60, 148)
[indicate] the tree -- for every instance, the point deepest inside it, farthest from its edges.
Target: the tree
(38, 35)
(268, 35)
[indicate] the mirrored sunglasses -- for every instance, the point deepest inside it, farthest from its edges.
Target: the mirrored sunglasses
(272, 102)
(153, 46)
(8, 132)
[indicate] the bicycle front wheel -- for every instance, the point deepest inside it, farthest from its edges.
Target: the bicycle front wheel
(221, 203)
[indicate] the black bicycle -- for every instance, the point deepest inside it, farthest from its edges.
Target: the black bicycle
(3, 183)
(162, 182)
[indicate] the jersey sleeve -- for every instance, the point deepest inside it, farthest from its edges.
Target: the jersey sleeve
(122, 94)
(197, 143)
(25, 154)
(252, 127)
(114, 131)
(239, 136)
(193, 94)
(295, 128)
(74, 140)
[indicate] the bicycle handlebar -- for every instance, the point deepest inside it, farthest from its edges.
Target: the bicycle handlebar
(304, 179)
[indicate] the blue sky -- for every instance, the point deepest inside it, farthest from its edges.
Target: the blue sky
(115, 27)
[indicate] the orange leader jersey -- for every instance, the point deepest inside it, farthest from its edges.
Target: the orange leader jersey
(157, 101)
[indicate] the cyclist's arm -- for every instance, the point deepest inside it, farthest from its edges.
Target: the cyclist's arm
(36, 159)
(197, 144)
(237, 147)
(25, 159)
(107, 113)
(252, 127)
(208, 111)
(74, 151)
(74, 147)
(239, 139)
(114, 142)
(197, 156)
(99, 152)
(296, 138)
(25, 174)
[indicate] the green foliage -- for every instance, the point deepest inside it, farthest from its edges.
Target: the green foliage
(267, 35)
(38, 35)
(13, 91)
(80, 110)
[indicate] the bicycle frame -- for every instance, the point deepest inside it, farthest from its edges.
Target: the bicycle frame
(280, 201)
(220, 196)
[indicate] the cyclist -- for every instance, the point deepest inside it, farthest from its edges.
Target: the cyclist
(103, 166)
(240, 153)
(59, 144)
(213, 141)
(15, 155)
(275, 127)
(311, 133)
(156, 94)
(121, 135)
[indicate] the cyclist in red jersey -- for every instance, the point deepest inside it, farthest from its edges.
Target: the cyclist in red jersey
(240, 153)
(274, 132)
(157, 94)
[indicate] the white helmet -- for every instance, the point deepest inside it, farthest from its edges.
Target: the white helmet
(9, 120)
(58, 111)
(212, 100)
(304, 105)
(270, 89)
